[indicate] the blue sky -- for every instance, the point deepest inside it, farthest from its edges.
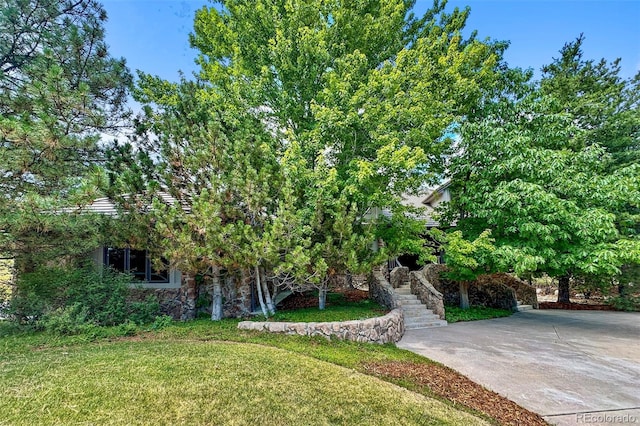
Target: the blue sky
(153, 34)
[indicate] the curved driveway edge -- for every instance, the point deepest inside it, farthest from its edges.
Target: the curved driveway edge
(571, 367)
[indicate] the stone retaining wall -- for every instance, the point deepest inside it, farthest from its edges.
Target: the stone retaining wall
(385, 329)
(486, 291)
(525, 293)
(398, 276)
(381, 291)
(427, 293)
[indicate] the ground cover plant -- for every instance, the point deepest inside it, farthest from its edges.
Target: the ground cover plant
(212, 373)
(341, 306)
(473, 313)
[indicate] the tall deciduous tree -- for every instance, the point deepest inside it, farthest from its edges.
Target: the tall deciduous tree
(59, 90)
(360, 93)
(547, 174)
(307, 119)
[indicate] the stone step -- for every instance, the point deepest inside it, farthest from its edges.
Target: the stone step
(416, 308)
(425, 324)
(406, 298)
(402, 290)
(521, 308)
(420, 318)
(409, 302)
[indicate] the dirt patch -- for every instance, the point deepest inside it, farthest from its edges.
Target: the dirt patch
(453, 386)
(575, 306)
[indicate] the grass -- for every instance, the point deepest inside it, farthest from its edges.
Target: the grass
(344, 311)
(474, 313)
(206, 373)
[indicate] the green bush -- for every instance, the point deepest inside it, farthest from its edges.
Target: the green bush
(626, 303)
(63, 300)
(68, 320)
(474, 313)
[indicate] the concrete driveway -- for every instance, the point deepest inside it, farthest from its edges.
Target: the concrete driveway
(571, 367)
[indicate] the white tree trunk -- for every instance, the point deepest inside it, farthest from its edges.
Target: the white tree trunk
(259, 288)
(267, 294)
(216, 305)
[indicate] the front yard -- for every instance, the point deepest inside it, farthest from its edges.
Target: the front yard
(211, 373)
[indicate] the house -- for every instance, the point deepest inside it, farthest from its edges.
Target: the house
(437, 196)
(179, 294)
(427, 202)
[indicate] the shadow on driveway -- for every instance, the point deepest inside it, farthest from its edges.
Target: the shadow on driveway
(571, 367)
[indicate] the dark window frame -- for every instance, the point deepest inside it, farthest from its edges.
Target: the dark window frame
(149, 272)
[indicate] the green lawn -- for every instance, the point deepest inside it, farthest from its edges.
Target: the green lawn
(344, 312)
(206, 373)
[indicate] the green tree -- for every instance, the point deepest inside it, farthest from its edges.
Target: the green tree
(360, 94)
(466, 259)
(59, 90)
(539, 171)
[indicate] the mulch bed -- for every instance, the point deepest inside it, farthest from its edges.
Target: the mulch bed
(451, 385)
(306, 300)
(575, 306)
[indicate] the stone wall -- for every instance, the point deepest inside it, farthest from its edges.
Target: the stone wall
(185, 302)
(385, 329)
(188, 297)
(236, 295)
(398, 276)
(525, 293)
(381, 291)
(484, 292)
(170, 299)
(427, 293)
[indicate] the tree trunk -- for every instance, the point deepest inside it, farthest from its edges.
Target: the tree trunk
(322, 296)
(216, 305)
(464, 294)
(267, 294)
(563, 289)
(259, 288)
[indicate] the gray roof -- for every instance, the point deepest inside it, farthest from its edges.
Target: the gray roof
(107, 206)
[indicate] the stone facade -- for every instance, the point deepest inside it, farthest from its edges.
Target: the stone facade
(236, 295)
(381, 291)
(427, 293)
(385, 329)
(170, 299)
(186, 302)
(189, 296)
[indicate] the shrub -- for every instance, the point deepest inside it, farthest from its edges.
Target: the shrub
(62, 300)
(68, 320)
(626, 303)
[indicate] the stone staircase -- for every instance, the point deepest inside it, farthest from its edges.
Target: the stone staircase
(416, 315)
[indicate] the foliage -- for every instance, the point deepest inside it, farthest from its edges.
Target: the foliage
(5, 287)
(537, 170)
(626, 303)
(70, 300)
(301, 128)
(466, 259)
(59, 91)
(474, 313)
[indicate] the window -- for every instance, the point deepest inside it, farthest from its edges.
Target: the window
(136, 263)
